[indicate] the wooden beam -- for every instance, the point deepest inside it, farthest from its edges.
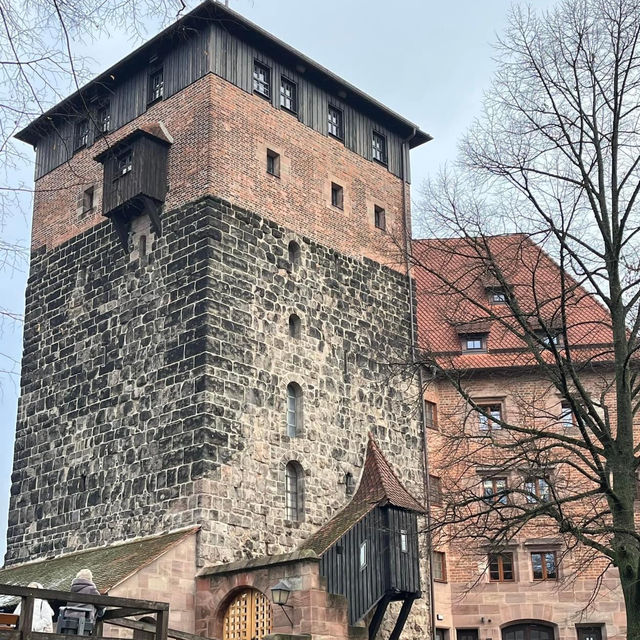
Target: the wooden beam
(123, 612)
(378, 616)
(25, 623)
(402, 617)
(147, 606)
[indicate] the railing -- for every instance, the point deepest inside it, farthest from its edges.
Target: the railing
(117, 611)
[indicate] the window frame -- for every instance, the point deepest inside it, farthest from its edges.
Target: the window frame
(119, 173)
(545, 575)
(499, 558)
(337, 125)
(431, 421)
(155, 92)
(488, 424)
(261, 87)
(379, 151)
(88, 196)
(103, 115)
(81, 135)
(293, 506)
(435, 490)
(474, 337)
(500, 292)
(496, 495)
(293, 99)
(379, 217)
(404, 541)
(273, 163)
(294, 419)
(536, 496)
(363, 557)
(567, 410)
(337, 196)
(443, 566)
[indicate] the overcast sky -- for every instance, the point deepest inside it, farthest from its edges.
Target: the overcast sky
(429, 60)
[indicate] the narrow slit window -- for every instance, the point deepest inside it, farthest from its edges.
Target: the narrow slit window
(142, 246)
(294, 505)
(337, 196)
(404, 541)
(295, 326)
(380, 217)
(363, 554)
(87, 200)
(294, 254)
(294, 410)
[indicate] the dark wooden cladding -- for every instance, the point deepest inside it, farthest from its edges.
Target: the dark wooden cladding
(148, 175)
(388, 569)
(187, 56)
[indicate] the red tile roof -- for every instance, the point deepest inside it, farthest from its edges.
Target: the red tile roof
(453, 278)
(379, 486)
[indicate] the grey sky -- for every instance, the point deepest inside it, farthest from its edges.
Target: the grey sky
(428, 60)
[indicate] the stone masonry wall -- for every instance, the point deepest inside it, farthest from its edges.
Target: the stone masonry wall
(154, 388)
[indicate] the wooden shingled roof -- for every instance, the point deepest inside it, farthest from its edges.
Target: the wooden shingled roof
(379, 486)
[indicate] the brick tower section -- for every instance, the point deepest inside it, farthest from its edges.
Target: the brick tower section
(154, 387)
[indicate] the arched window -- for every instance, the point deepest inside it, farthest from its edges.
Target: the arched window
(529, 631)
(248, 616)
(294, 326)
(294, 254)
(293, 490)
(294, 409)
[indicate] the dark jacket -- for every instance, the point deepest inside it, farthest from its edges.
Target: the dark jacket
(86, 587)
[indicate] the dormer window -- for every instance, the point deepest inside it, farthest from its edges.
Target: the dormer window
(156, 86)
(474, 342)
(497, 295)
(549, 337)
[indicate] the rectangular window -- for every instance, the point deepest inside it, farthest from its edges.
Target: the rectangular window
(87, 200)
(125, 163)
(474, 342)
(379, 145)
(435, 490)
(379, 217)
(335, 123)
(439, 567)
(337, 195)
(549, 337)
(566, 415)
(489, 422)
(82, 135)
(544, 565)
(363, 555)
(273, 163)
(156, 86)
(291, 496)
(404, 542)
(537, 490)
(261, 79)
(431, 414)
(494, 490)
(103, 119)
(497, 296)
(501, 567)
(467, 634)
(288, 95)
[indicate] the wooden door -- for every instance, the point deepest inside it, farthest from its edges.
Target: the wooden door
(248, 616)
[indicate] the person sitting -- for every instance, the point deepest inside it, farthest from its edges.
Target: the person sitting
(42, 613)
(84, 613)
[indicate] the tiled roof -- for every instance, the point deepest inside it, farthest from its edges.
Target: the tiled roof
(109, 565)
(453, 279)
(379, 486)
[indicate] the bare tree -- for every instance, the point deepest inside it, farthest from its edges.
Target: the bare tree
(555, 159)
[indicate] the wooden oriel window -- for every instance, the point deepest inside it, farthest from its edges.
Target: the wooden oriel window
(439, 566)
(544, 565)
(379, 217)
(125, 163)
(489, 416)
(494, 490)
(537, 489)
(501, 567)
(379, 147)
(435, 490)
(431, 414)
(261, 79)
(335, 123)
(288, 95)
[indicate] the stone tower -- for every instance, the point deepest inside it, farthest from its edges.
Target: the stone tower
(213, 300)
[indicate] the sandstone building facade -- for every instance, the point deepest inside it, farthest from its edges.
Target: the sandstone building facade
(528, 580)
(211, 303)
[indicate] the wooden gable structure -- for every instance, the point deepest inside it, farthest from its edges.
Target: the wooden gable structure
(369, 550)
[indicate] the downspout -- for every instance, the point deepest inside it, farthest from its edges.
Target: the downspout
(423, 417)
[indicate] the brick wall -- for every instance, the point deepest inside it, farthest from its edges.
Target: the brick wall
(221, 136)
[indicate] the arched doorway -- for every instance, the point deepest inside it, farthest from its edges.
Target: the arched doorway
(248, 616)
(528, 631)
